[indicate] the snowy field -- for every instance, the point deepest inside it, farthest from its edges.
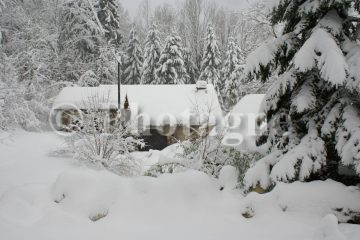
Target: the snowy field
(45, 197)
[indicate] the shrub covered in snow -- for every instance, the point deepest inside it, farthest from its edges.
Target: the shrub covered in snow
(103, 139)
(210, 156)
(163, 168)
(312, 108)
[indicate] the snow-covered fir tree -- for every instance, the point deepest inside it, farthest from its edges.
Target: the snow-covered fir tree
(190, 66)
(171, 68)
(151, 56)
(211, 61)
(80, 38)
(81, 30)
(88, 79)
(231, 74)
(313, 107)
(108, 15)
(133, 61)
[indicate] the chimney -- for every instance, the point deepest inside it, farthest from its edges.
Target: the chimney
(201, 85)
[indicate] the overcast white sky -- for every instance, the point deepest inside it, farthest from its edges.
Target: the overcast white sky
(132, 5)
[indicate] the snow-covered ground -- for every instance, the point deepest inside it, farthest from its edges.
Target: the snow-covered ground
(50, 198)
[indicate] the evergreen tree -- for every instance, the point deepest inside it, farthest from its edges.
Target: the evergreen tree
(171, 68)
(211, 61)
(80, 39)
(151, 56)
(133, 60)
(190, 67)
(108, 14)
(231, 75)
(80, 30)
(313, 107)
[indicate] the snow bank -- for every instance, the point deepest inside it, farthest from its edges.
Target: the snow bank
(329, 229)
(229, 177)
(316, 199)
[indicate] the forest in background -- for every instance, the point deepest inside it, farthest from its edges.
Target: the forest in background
(48, 44)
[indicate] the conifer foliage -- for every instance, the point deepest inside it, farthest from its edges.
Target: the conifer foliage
(134, 60)
(109, 19)
(211, 61)
(151, 56)
(80, 29)
(190, 67)
(231, 75)
(313, 107)
(171, 68)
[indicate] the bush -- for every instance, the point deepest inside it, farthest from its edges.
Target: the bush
(101, 140)
(210, 156)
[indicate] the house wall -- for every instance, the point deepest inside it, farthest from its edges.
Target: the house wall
(172, 135)
(159, 138)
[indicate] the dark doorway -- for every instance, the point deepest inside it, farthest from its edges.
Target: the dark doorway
(155, 141)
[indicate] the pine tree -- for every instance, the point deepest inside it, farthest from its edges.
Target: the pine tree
(151, 56)
(80, 30)
(231, 74)
(313, 107)
(108, 14)
(190, 67)
(133, 61)
(211, 61)
(171, 68)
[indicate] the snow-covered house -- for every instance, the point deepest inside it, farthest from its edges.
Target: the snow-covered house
(169, 113)
(243, 123)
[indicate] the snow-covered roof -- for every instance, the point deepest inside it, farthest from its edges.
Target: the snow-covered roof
(251, 103)
(153, 100)
(247, 109)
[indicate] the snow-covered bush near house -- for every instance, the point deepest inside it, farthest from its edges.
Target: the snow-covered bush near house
(211, 159)
(102, 139)
(312, 108)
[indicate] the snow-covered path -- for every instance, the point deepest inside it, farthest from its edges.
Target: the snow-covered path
(181, 206)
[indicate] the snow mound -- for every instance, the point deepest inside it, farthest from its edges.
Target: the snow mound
(316, 199)
(90, 193)
(329, 229)
(228, 177)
